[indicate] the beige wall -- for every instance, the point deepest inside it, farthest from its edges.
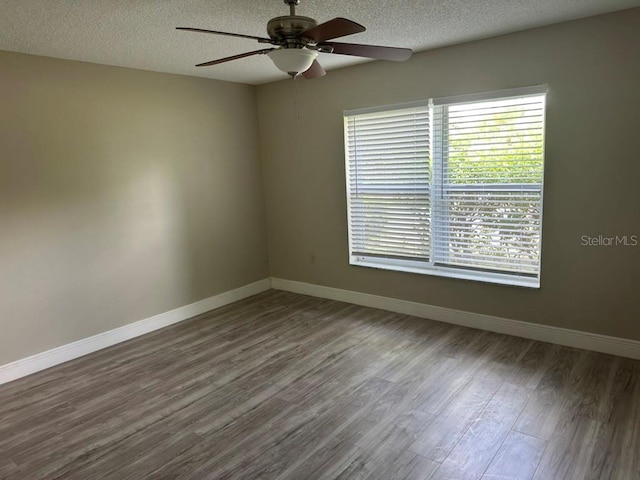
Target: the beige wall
(592, 68)
(123, 194)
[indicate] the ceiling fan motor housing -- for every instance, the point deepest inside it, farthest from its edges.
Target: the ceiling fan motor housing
(288, 29)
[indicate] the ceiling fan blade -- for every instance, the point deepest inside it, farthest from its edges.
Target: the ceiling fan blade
(370, 51)
(235, 57)
(200, 30)
(338, 27)
(314, 71)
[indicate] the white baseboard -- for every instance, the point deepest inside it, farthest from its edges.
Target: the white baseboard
(561, 336)
(56, 356)
(544, 333)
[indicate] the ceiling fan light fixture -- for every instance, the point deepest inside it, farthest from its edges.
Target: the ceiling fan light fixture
(293, 60)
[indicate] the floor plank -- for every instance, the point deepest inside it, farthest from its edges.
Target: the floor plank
(440, 437)
(517, 459)
(544, 410)
(475, 450)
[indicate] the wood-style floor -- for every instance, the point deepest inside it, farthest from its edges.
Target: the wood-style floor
(292, 387)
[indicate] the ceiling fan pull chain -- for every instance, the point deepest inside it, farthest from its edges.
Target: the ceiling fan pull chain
(296, 101)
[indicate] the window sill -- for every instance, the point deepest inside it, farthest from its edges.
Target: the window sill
(424, 268)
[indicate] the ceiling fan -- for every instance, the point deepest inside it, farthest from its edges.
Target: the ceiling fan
(298, 40)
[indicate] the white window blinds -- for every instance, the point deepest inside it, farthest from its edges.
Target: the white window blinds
(489, 184)
(450, 189)
(388, 182)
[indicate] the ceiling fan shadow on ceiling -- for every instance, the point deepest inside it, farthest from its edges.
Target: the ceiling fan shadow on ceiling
(298, 40)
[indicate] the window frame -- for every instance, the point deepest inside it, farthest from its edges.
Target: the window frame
(431, 267)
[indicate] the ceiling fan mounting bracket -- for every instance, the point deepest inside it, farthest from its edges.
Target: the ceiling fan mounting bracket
(292, 5)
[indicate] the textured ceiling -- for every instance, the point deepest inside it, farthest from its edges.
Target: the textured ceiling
(141, 34)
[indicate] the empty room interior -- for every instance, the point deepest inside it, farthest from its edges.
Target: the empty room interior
(320, 240)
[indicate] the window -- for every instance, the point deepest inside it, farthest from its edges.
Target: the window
(449, 187)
